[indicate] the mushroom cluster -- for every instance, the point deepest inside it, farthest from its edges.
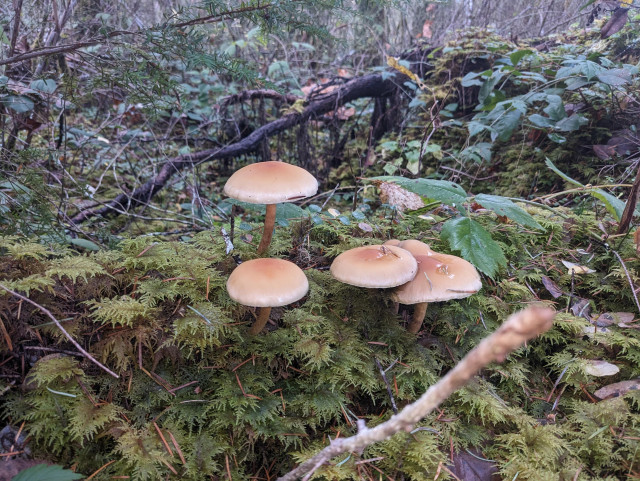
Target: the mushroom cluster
(267, 283)
(419, 274)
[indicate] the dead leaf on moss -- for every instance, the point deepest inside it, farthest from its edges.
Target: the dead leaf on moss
(398, 197)
(552, 287)
(609, 318)
(365, 227)
(577, 269)
(617, 389)
(581, 308)
(471, 466)
(601, 368)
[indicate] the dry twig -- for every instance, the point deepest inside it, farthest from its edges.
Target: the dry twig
(519, 328)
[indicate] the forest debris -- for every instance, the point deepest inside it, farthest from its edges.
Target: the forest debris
(471, 465)
(601, 368)
(581, 308)
(577, 269)
(398, 197)
(617, 389)
(609, 318)
(552, 287)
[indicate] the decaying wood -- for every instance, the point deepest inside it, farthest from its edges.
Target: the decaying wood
(373, 85)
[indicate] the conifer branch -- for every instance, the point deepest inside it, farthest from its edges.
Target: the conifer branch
(516, 330)
(64, 331)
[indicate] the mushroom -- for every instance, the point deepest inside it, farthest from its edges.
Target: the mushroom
(266, 283)
(374, 266)
(440, 277)
(270, 183)
(416, 247)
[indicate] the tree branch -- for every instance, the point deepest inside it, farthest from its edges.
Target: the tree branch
(516, 330)
(368, 86)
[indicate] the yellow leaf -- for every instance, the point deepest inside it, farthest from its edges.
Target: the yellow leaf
(395, 64)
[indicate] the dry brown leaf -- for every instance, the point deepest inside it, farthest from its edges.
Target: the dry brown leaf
(552, 287)
(398, 197)
(617, 389)
(609, 318)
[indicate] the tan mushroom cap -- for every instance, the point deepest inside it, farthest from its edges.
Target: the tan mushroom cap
(270, 183)
(374, 266)
(392, 242)
(416, 247)
(440, 277)
(267, 283)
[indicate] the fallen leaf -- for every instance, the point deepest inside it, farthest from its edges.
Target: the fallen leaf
(581, 308)
(402, 199)
(617, 389)
(334, 212)
(601, 368)
(610, 318)
(552, 287)
(472, 466)
(603, 152)
(576, 269)
(426, 29)
(365, 227)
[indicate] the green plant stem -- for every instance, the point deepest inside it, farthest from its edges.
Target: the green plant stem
(419, 312)
(538, 204)
(269, 224)
(261, 320)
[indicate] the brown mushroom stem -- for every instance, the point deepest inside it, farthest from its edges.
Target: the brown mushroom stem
(418, 317)
(395, 307)
(261, 320)
(269, 224)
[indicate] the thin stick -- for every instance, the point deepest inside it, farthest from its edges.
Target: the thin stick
(64, 331)
(386, 383)
(633, 289)
(269, 224)
(520, 327)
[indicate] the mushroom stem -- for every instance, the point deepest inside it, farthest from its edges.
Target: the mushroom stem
(261, 320)
(395, 308)
(418, 317)
(269, 224)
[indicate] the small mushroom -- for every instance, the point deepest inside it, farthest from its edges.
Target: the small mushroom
(374, 266)
(440, 277)
(266, 283)
(270, 183)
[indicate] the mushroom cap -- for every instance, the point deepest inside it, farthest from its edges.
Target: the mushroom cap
(267, 283)
(440, 277)
(392, 242)
(374, 266)
(270, 182)
(416, 247)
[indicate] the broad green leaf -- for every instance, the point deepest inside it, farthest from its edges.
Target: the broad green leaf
(475, 128)
(515, 57)
(488, 86)
(506, 124)
(555, 108)
(85, 244)
(572, 123)
(471, 79)
(614, 77)
(475, 244)
(562, 174)
(541, 121)
(557, 138)
(44, 472)
(4, 80)
(47, 86)
(18, 103)
(441, 190)
(505, 207)
(590, 69)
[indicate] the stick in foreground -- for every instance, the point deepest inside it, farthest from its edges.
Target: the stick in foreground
(516, 330)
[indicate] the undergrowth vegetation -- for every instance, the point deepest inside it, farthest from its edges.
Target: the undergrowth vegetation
(524, 179)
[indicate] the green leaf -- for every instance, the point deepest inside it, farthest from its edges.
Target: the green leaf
(475, 244)
(85, 244)
(44, 472)
(571, 123)
(551, 166)
(614, 77)
(506, 124)
(505, 207)
(515, 57)
(441, 190)
(557, 138)
(541, 121)
(18, 103)
(555, 108)
(47, 86)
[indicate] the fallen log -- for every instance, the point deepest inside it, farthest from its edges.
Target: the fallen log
(373, 85)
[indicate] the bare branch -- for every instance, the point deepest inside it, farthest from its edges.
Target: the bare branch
(64, 331)
(516, 330)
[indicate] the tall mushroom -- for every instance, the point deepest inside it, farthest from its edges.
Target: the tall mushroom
(440, 277)
(266, 283)
(270, 183)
